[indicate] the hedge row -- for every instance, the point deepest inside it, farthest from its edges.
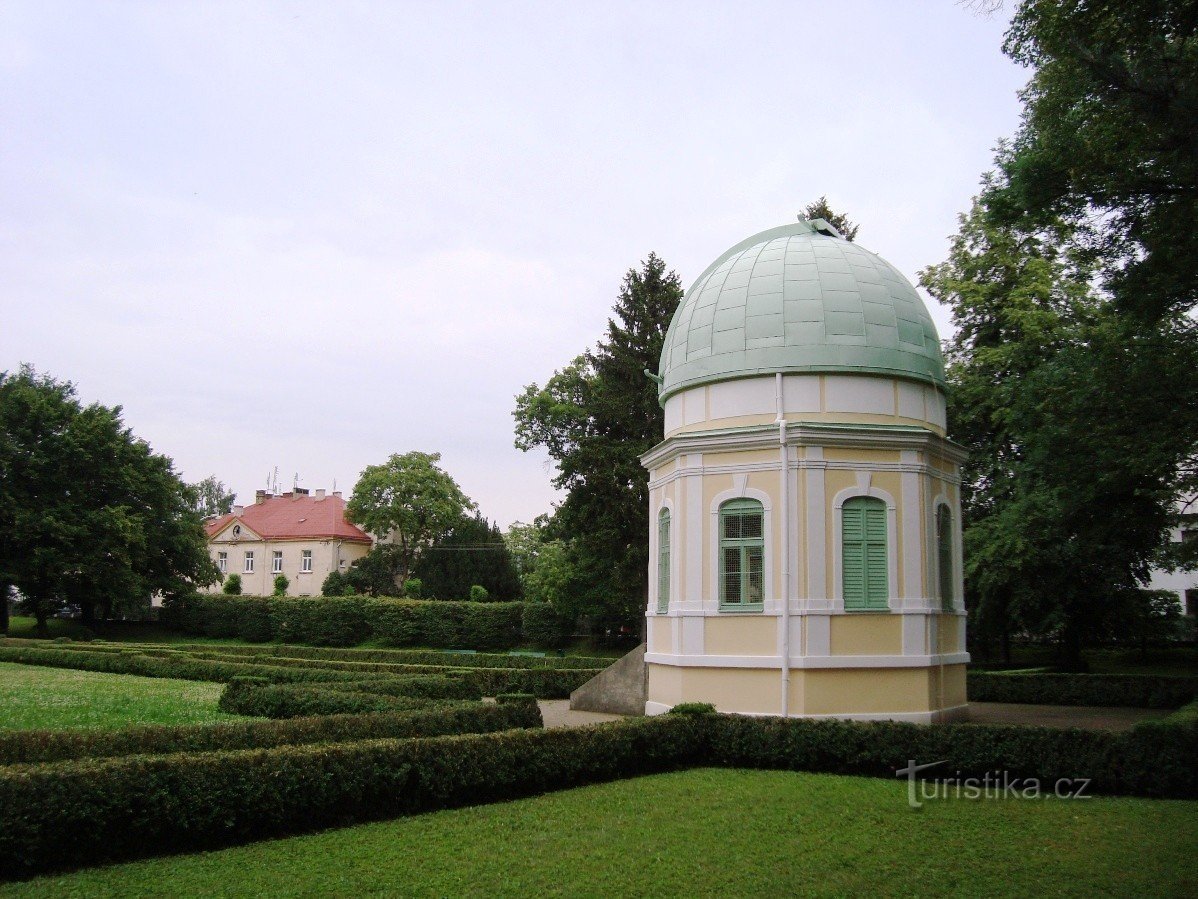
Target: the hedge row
(31, 746)
(397, 656)
(94, 811)
(181, 666)
(249, 696)
(347, 621)
(1139, 690)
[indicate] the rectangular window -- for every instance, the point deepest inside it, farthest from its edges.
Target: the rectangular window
(742, 555)
(663, 561)
(222, 561)
(249, 561)
(864, 561)
(276, 562)
(306, 560)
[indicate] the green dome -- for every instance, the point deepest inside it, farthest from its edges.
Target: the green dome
(799, 299)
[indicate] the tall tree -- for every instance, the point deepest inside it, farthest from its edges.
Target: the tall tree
(472, 553)
(407, 502)
(821, 210)
(596, 417)
(90, 516)
(1109, 140)
(212, 498)
(1077, 420)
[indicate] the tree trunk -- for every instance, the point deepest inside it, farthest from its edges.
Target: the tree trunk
(1006, 645)
(39, 613)
(1071, 647)
(4, 591)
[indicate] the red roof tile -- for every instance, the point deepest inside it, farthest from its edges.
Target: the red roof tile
(291, 517)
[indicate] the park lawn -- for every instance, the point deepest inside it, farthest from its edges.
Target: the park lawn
(707, 832)
(32, 696)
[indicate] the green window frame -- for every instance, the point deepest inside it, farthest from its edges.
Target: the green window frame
(944, 556)
(864, 564)
(742, 555)
(663, 561)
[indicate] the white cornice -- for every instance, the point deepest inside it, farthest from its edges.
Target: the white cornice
(800, 433)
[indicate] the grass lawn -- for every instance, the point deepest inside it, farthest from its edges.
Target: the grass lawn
(703, 833)
(35, 697)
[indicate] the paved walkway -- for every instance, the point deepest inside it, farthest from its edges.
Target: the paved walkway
(1085, 717)
(556, 713)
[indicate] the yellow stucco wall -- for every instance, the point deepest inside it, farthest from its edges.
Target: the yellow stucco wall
(843, 691)
(661, 638)
(946, 634)
(948, 691)
(863, 634)
(741, 635)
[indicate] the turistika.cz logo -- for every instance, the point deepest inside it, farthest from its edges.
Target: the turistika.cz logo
(991, 785)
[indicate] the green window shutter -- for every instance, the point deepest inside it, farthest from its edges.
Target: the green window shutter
(663, 561)
(944, 556)
(742, 554)
(864, 574)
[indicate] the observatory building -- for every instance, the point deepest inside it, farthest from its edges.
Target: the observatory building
(805, 541)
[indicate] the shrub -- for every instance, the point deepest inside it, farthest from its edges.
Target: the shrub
(292, 701)
(478, 593)
(523, 699)
(281, 585)
(412, 588)
(31, 746)
(1139, 690)
(693, 708)
(142, 804)
(543, 625)
(232, 585)
(334, 584)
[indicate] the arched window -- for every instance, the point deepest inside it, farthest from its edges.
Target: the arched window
(863, 533)
(742, 552)
(663, 561)
(944, 556)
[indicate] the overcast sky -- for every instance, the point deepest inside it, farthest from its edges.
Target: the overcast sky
(309, 235)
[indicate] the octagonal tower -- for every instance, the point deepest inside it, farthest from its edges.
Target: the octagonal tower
(805, 548)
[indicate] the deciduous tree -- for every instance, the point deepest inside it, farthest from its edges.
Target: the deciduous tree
(407, 502)
(90, 516)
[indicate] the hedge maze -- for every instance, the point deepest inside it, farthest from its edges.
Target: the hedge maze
(335, 736)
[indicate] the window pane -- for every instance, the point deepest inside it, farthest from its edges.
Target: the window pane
(750, 526)
(732, 574)
(731, 527)
(755, 574)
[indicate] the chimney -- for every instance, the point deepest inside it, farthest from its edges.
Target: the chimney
(260, 497)
(337, 493)
(320, 494)
(237, 510)
(301, 491)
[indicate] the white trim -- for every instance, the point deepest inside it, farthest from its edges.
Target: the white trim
(954, 548)
(817, 538)
(741, 490)
(911, 537)
(693, 534)
(773, 661)
(865, 488)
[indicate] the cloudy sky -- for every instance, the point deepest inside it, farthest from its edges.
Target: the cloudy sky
(309, 235)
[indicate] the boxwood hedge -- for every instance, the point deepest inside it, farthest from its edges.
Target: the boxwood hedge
(30, 746)
(1139, 690)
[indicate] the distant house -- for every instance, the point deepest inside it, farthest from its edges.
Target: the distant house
(1183, 584)
(301, 535)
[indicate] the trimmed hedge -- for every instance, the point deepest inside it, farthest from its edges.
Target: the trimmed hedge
(1138, 690)
(245, 696)
(31, 746)
(182, 667)
(93, 811)
(395, 656)
(348, 620)
(542, 683)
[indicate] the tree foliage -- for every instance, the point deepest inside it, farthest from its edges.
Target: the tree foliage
(90, 516)
(1109, 141)
(546, 573)
(472, 554)
(408, 502)
(596, 417)
(820, 209)
(212, 498)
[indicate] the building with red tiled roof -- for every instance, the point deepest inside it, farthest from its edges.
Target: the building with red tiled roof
(303, 536)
